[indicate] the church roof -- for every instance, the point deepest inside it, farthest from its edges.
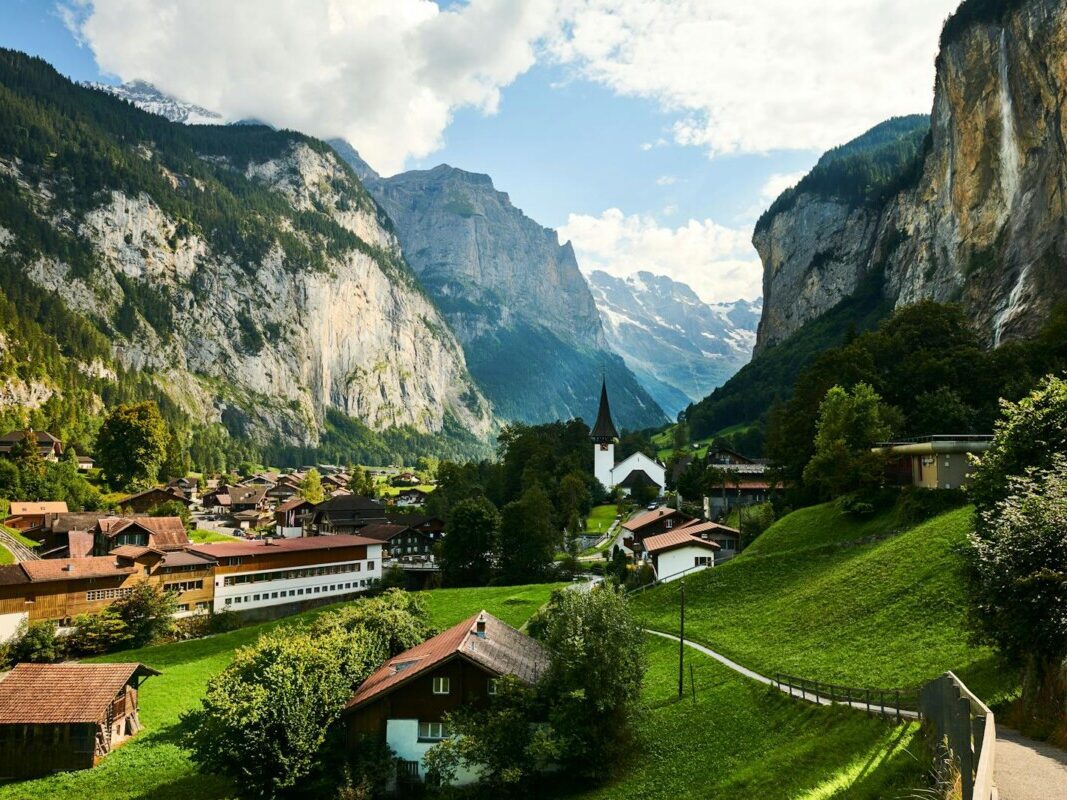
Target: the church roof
(604, 429)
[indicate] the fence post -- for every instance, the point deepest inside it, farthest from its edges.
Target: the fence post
(962, 715)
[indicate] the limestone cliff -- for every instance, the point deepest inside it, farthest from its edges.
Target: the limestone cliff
(978, 218)
(246, 271)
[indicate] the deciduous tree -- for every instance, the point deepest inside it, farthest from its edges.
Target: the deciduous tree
(131, 444)
(470, 543)
(311, 487)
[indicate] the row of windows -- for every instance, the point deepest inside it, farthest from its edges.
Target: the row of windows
(183, 586)
(432, 731)
(704, 561)
(106, 594)
(337, 587)
(291, 574)
(203, 605)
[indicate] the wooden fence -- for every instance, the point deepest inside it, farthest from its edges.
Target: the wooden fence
(899, 703)
(965, 726)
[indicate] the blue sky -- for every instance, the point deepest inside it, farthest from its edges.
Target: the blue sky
(651, 134)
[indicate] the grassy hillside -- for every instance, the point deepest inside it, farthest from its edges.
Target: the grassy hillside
(888, 614)
(153, 765)
(820, 525)
(739, 741)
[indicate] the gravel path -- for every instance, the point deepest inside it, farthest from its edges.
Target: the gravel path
(1029, 770)
(809, 696)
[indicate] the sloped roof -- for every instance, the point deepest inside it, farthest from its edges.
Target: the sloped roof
(13, 574)
(649, 517)
(62, 569)
(671, 540)
(165, 531)
(349, 502)
(258, 547)
(42, 694)
(502, 651)
(294, 502)
(698, 527)
(173, 493)
(382, 531)
(637, 477)
(76, 521)
(79, 544)
(603, 428)
(248, 494)
(19, 509)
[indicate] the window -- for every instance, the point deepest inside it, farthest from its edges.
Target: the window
(670, 524)
(203, 605)
(491, 686)
(441, 685)
(370, 566)
(432, 731)
(183, 586)
(229, 601)
(703, 561)
(101, 594)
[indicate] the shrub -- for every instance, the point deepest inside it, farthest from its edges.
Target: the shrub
(36, 642)
(98, 633)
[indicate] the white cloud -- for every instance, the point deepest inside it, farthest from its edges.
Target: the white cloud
(719, 263)
(646, 146)
(385, 74)
(778, 183)
(764, 74)
(667, 180)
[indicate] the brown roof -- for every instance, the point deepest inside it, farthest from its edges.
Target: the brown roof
(185, 558)
(259, 547)
(294, 502)
(42, 694)
(502, 651)
(670, 540)
(79, 544)
(165, 531)
(649, 517)
(76, 521)
(60, 569)
(132, 551)
(382, 532)
(697, 527)
(19, 509)
(12, 574)
(172, 493)
(247, 494)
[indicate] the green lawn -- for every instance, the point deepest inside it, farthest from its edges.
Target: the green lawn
(600, 518)
(18, 537)
(5, 556)
(201, 536)
(740, 741)
(154, 766)
(820, 525)
(887, 615)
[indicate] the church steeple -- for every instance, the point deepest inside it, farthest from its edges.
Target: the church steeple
(604, 430)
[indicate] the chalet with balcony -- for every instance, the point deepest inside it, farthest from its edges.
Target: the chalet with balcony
(346, 513)
(404, 702)
(151, 499)
(48, 446)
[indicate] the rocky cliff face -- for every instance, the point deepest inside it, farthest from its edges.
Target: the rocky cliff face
(984, 223)
(320, 314)
(511, 292)
(678, 346)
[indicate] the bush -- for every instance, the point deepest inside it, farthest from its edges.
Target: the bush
(148, 613)
(98, 633)
(918, 505)
(36, 643)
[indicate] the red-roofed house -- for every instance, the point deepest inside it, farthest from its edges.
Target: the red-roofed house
(650, 523)
(675, 554)
(728, 539)
(27, 516)
(405, 700)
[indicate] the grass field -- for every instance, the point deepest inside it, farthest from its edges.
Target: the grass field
(600, 518)
(18, 537)
(888, 614)
(5, 556)
(740, 741)
(201, 536)
(154, 767)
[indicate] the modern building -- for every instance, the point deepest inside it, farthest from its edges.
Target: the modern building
(61, 717)
(637, 469)
(932, 462)
(676, 554)
(405, 701)
(271, 572)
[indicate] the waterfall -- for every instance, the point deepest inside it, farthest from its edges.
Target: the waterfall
(1009, 151)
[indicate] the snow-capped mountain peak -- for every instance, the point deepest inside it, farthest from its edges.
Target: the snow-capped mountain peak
(148, 98)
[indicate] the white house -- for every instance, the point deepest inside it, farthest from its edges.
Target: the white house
(676, 553)
(632, 471)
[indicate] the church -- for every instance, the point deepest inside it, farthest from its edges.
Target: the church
(630, 472)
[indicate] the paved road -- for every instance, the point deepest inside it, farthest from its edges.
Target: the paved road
(1029, 770)
(20, 551)
(810, 697)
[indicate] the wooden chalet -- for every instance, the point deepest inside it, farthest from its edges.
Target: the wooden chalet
(162, 533)
(346, 513)
(28, 516)
(404, 702)
(143, 502)
(48, 446)
(61, 717)
(661, 520)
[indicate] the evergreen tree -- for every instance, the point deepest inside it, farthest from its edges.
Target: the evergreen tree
(470, 543)
(528, 539)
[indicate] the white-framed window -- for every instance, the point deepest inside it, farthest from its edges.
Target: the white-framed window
(703, 561)
(441, 685)
(490, 686)
(670, 524)
(432, 731)
(106, 594)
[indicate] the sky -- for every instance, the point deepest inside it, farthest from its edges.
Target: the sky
(650, 133)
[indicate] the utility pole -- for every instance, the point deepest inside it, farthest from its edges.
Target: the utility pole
(681, 646)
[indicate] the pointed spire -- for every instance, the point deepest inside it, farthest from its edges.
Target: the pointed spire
(604, 430)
